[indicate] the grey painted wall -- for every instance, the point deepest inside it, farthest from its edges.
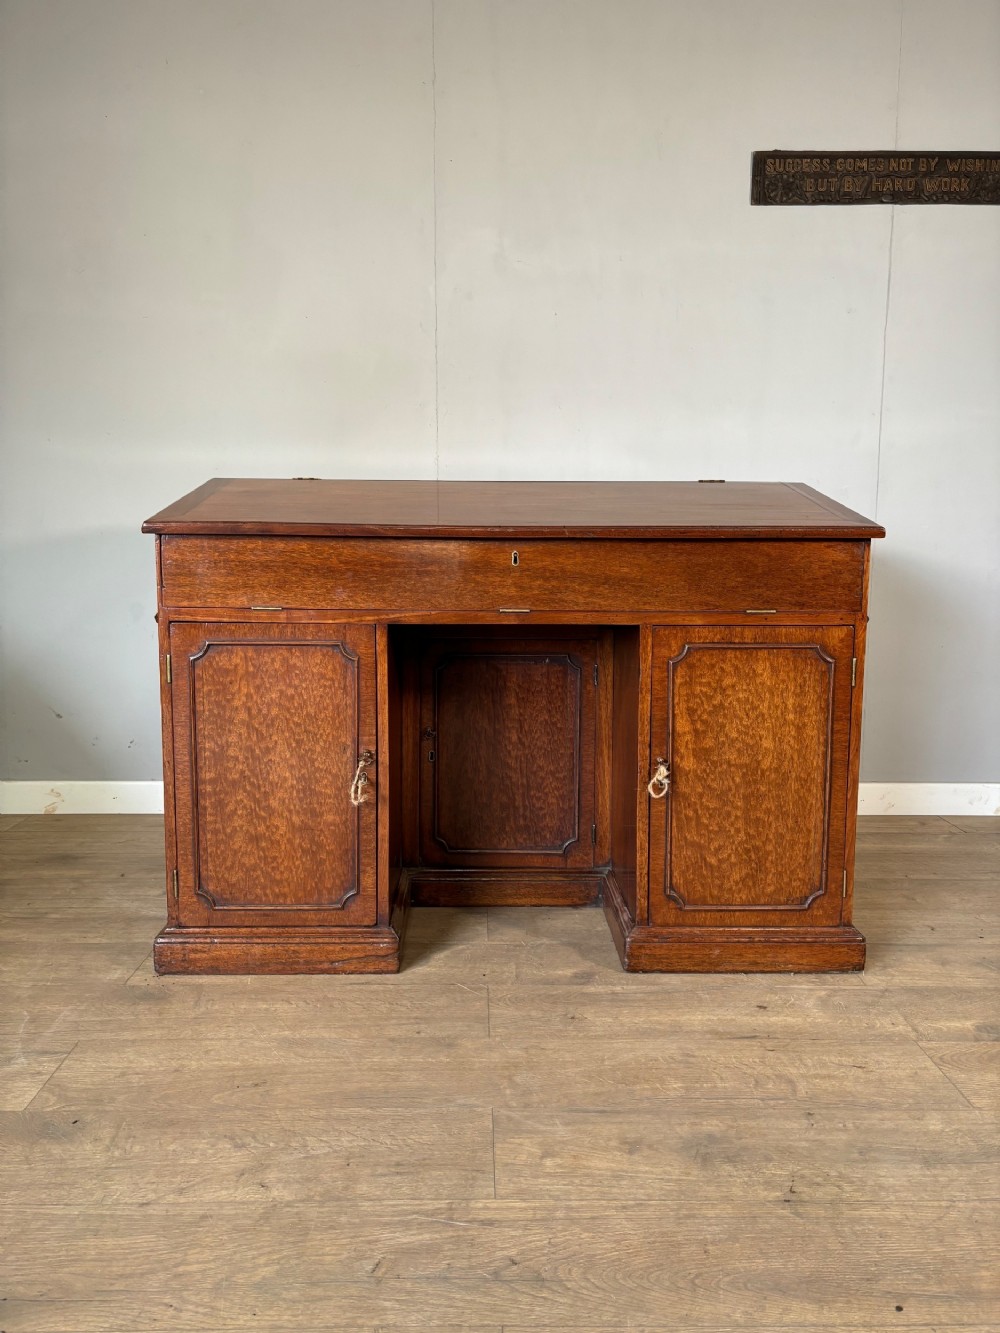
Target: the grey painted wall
(486, 239)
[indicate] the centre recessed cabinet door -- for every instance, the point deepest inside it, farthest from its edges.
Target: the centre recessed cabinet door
(753, 726)
(272, 727)
(507, 752)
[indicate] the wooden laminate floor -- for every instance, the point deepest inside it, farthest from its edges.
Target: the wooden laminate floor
(509, 1134)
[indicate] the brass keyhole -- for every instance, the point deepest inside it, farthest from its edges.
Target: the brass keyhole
(515, 559)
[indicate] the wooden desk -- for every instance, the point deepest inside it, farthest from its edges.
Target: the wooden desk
(535, 692)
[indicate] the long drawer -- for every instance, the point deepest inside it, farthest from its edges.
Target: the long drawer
(551, 575)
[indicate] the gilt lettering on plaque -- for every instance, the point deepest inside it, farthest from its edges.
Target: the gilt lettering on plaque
(890, 176)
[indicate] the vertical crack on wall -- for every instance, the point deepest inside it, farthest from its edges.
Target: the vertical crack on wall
(888, 276)
(434, 235)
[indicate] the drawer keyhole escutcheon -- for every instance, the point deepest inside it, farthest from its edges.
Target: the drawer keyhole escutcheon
(515, 559)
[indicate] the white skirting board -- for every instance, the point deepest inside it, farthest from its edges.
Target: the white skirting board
(81, 798)
(929, 798)
(146, 798)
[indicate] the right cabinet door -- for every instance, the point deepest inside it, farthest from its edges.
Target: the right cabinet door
(753, 725)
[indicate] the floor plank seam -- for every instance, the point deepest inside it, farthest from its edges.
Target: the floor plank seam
(493, 1142)
(145, 959)
(51, 1076)
(914, 1032)
(951, 824)
(946, 1075)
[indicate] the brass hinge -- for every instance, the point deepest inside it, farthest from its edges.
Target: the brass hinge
(854, 672)
(593, 833)
(169, 674)
(843, 891)
(278, 608)
(173, 881)
(595, 673)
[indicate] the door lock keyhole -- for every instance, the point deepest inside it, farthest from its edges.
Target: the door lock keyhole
(515, 559)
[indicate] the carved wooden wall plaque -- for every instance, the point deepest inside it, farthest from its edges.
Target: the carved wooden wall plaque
(887, 176)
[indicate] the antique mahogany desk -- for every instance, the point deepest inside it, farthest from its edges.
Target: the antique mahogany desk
(384, 693)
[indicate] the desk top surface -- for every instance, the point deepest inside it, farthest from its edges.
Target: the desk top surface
(469, 509)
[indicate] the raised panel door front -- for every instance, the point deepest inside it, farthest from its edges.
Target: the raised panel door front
(270, 722)
(754, 727)
(508, 730)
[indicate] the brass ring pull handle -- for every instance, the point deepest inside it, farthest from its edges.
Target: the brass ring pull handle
(360, 782)
(659, 783)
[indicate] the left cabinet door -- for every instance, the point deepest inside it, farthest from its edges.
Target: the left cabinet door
(270, 724)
